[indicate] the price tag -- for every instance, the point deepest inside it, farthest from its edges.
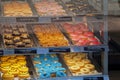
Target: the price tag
(93, 78)
(8, 51)
(59, 50)
(1, 52)
(27, 19)
(42, 50)
(93, 49)
(23, 51)
(61, 19)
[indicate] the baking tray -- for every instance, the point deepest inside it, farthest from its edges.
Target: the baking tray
(47, 26)
(79, 7)
(59, 60)
(51, 13)
(19, 14)
(16, 27)
(90, 28)
(29, 70)
(97, 70)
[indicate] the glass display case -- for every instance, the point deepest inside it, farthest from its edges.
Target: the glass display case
(53, 39)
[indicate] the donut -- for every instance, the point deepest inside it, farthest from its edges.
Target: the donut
(67, 57)
(91, 67)
(75, 68)
(77, 58)
(86, 61)
(23, 75)
(60, 74)
(70, 62)
(80, 64)
(8, 76)
(45, 75)
(14, 71)
(5, 69)
(84, 70)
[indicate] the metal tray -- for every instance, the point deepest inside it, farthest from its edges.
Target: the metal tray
(97, 70)
(16, 27)
(47, 26)
(59, 60)
(51, 13)
(29, 70)
(18, 14)
(79, 7)
(90, 28)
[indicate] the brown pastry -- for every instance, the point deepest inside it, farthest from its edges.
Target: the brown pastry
(27, 41)
(16, 33)
(22, 30)
(28, 45)
(16, 39)
(20, 44)
(8, 36)
(24, 36)
(9, 42)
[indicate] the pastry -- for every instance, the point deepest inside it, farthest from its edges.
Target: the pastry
(27, 41)
(20, 44)
(17, 9)
(24, 36)
(8, 76)
(8, 36)
(24, 75)
(16, 33)
(16, 39)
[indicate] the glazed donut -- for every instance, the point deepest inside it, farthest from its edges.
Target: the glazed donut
(86, 61)
(8, 76)
(70, 62)
(67, 57)
(84, 70)
(75, 68)
(83, 56)
(91, 67)
(77, 58)
(80, 64)
(4, 58)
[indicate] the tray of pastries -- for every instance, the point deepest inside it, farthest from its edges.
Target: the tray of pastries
(16, 8)
(79, 64)
(78, 7)
(16, 36)
(80, 34)
(14, 68)
(49, 8)
(48, 66)
(49, 35)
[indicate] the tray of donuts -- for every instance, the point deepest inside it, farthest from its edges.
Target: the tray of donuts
(79, 64)
(48, 66)
(79, 7)
(49, 8)
(15, 67)
(49, 35)
(16, 9)
(80, 33)
(16, 36)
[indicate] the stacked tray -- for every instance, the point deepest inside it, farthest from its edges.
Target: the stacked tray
(14, 68)
(16, 36)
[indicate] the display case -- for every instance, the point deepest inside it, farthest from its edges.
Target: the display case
(53, 39)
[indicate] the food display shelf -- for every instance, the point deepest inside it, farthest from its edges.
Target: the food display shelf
(41, 19)
(91, 12)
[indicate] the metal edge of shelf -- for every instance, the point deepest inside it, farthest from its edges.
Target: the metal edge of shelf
(49, 50)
